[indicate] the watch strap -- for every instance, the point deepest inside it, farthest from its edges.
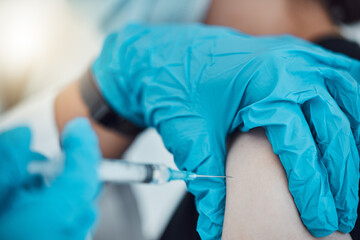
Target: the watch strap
(100, 110)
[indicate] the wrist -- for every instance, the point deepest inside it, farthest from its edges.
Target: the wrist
(69, 105)
(101, 112)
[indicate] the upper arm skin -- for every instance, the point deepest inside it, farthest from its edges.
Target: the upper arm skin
(258, 202)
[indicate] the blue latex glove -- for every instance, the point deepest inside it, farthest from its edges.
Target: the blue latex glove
(196, 84)
(63, 210)
(13, 162)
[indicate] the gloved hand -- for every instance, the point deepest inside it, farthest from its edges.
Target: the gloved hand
(63, 210)
(196, 84)
(13, 162)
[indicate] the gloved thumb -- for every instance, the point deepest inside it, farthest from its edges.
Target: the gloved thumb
(15, 154)
(82, 155)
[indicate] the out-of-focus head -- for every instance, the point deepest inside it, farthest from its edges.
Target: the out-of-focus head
(307, 19)
(345, 11)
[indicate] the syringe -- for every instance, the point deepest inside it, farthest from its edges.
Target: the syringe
(121, 171)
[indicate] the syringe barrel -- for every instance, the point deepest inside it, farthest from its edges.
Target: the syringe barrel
(121, 171)
(112, 171)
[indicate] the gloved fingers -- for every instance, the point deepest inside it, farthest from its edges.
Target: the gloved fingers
(210, 203)
(340, 156)
(209, 196)
(346, 91)
(72, 194)
(321, 55)
(20, 135)
(88, 218)
(82, 156)
(15, 155)
(33, 180)
(199, 150)
(47, 214)
(291, 139)
(15, 150)
(75, 222)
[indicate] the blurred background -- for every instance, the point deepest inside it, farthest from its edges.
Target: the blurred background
(41, 43)
(45, 44)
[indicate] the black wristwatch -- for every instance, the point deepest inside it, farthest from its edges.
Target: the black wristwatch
(101, 112)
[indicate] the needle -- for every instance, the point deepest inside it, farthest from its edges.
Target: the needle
(209, 176)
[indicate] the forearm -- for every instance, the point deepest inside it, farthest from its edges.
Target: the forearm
(258, 202)
(69, 105)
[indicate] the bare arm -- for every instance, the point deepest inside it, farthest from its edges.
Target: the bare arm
(258, 202)
(69, 105)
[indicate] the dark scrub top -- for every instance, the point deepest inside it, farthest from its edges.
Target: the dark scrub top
(183, 223)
